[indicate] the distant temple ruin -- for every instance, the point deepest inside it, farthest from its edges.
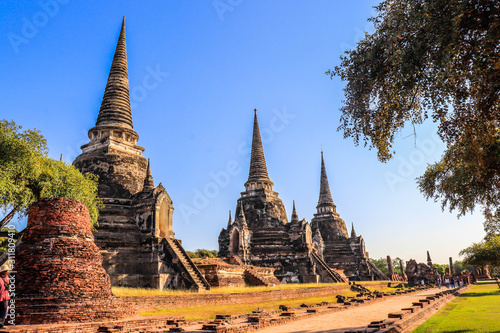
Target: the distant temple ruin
(393, 276)
(261, 234)
(135, 233)
(421, 272)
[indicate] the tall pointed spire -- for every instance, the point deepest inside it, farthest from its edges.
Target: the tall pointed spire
(325, 197)
(353, 233)
(258, 169)
(429, 260)
(114, 127)
(148, 181)
(295, 216)
(230, 221)
(115, 107)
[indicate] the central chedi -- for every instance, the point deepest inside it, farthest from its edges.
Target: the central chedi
(261, 234)
(135, 233)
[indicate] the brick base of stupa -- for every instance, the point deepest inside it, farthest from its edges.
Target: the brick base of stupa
(60, 278)
(31, 311)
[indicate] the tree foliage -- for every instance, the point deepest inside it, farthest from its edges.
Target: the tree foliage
(201, 253)
(483, 253)
(381, 264)
(4, 241)
(27, 174)
(459, 266)
(440, 269)
(437, 59)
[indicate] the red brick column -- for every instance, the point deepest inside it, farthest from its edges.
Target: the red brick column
(60, 277)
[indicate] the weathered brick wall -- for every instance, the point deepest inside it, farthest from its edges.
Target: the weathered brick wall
(60, 277)
(223, 275)
(147, 303)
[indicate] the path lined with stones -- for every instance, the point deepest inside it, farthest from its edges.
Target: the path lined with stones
(350, 317)
(354, 318)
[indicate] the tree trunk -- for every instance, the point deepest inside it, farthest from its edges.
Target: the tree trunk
(8, 218)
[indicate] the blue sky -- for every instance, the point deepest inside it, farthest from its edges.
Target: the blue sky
(197, 70)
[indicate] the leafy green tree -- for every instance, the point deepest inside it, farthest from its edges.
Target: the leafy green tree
(483, 253)
(440, 269)
(27, 174)
(435, 59)
(191, 254)
(20, 158)
(381, 264)
(397, 266)
(201, 253)
(206, 253)
(4, 241)
(460, 266)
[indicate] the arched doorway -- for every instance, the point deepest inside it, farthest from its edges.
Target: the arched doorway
(235, 242)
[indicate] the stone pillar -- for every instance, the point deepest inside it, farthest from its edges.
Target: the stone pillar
(403, 274)
(452, 270)
(60, 277)
(390, 266)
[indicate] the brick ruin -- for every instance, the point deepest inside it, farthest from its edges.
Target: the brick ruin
(135, 233)
(232, 272)
(393, 276)
(417, 272)
(481, 273)
(261, 234)
(59, 273)
(403, 274)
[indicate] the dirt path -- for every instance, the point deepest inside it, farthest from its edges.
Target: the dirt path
(354, 318)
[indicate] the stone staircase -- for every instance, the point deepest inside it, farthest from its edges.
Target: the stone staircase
(196, 276)
(336, 277)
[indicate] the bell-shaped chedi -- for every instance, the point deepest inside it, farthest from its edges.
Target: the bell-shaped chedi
(60, 277)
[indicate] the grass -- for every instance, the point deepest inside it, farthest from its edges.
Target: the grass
(123, 291)
(209, 311)
(477, 310)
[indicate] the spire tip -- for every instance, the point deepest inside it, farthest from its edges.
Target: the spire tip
(115, 107)
(258, 168)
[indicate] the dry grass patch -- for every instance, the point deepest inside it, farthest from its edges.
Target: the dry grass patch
(123, 291)
(206, 312)
(209, 311)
